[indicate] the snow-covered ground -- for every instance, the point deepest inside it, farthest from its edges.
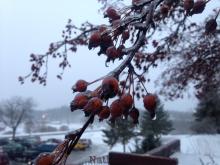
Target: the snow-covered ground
(198, 149)
(195, 159)
(195, 149)
(198, 144)
(21, 131)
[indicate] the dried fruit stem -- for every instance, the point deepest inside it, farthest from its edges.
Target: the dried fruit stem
(148, 12)
(140, 40)
(130, 82)
(73, 143)
(139, 77)
(133, 92)
(96, 80)
(217, 14)
(125, 83)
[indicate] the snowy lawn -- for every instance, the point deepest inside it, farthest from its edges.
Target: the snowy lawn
(199, 150)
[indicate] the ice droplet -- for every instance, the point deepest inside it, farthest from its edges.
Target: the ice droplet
(155, 117)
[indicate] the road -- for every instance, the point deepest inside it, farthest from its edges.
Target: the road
(77, 157)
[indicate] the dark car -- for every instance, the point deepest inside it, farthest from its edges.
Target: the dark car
(31, 153)
(4, 141)
(13, 149)
(46, 147)
(34, 139)
(28, 141)
(23, 142)
(4, 159)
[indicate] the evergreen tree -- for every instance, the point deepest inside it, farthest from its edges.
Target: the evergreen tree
(151, 130)
(208, 110)
(119, 132)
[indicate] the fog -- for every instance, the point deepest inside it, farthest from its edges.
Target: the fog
(28, 27)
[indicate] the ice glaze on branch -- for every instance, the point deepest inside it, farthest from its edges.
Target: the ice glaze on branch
(140, 40)
(192, 49)
(38, 73)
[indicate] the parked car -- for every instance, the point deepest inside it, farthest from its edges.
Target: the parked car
(83, 144)
(34, 139)
(46, 147)
(4, 159)
(13, 149)
(28, 141)
(23, 142)
(4, 141)
(80, 146)
(31, 153)
(88, 142)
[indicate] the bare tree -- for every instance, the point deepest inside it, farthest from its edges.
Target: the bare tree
(14, 111)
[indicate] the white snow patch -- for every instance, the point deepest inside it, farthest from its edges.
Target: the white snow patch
(186, 159)
(198, 144)
(198, 149)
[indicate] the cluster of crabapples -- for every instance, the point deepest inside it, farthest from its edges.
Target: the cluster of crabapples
(105, 36)
(111, 39)
(92, 102)
(198, 7)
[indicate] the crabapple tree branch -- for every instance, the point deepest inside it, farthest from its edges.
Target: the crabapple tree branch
(143, 35)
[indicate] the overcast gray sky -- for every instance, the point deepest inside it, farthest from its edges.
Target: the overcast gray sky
(28, 26)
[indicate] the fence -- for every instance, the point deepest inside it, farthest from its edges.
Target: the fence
(157, 156)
